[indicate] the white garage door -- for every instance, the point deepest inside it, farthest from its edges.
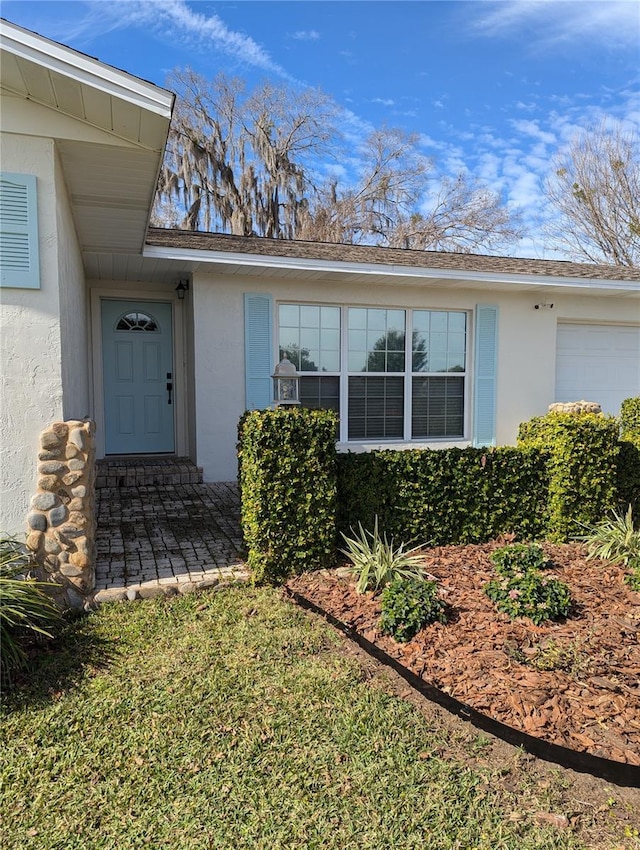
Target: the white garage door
(598, 363)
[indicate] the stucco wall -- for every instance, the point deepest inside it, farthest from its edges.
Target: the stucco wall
(526, 348)
(30, 346)
(73, 308)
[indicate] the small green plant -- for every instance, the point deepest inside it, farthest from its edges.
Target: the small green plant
(409, 605)
(25, 608)
(617, 540)
(376, 561)
(518, 557)
(522, 590)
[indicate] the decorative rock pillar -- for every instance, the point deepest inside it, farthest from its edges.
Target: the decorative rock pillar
(575, 407)
(62, 519)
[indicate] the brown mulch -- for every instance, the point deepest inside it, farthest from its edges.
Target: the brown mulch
(590, 698)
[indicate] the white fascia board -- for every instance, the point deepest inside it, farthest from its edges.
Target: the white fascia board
(84, 69)
(299, 264)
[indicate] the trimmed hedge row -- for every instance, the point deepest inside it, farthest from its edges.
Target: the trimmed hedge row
(583, 467)
(630, 419)
(445, 495)
(297, 493)
(287, 477)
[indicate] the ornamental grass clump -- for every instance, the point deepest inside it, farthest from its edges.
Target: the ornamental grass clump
(25, 609)
(616, 539)
(376, 561)
(522, 590)
(408, 605)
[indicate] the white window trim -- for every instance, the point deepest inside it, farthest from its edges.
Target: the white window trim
(344, 444)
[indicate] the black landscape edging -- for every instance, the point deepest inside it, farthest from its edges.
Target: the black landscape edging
(613, 771)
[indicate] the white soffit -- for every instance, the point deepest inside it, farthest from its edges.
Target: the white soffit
(56, 76)
(220, 262)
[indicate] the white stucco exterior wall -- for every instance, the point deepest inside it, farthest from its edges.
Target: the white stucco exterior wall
(74, 316)
(526, 347)
(30, 341)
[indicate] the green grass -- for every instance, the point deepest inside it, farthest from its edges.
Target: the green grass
(233, 720)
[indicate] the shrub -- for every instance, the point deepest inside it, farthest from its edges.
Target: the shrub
(522, 590)
(287, 477)
(445, 495)
(376, 562)
(25, 609)
(409, 605)
(617, 540)
(582, 462)
(630, 419)
(518, 557)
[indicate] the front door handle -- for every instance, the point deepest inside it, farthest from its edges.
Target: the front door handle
(169, 390)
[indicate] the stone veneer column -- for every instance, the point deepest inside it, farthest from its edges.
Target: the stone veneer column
(62, 519)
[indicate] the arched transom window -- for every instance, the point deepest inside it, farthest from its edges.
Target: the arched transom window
(137, 321)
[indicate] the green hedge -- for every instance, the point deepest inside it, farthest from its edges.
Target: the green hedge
(630, 419)
(445, 495)
(583, 467)
(287, 477)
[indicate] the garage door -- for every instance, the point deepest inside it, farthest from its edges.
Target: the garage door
(598, 363)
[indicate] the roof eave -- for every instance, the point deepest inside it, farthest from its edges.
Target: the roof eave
(394, 271)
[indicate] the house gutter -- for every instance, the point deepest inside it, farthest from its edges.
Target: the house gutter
(332, 266)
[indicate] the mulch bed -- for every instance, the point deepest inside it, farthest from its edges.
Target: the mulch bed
(589, 699)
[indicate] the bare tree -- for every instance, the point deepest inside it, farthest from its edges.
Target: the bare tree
(391, 177)
(252, 164)
(595, 190)
(462, 216)
(238, 163)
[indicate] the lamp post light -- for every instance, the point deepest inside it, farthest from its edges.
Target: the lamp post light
(286, 384)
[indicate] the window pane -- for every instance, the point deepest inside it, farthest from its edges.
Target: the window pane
(330, 361)
(320, 393)
(376, 406)
(303, 339)
(330, 339)
(441, 348)
(289, 315)
(309, 317)
(330, 317)
(381, 334)
(310, 338)
(437, 407)
(357, 319)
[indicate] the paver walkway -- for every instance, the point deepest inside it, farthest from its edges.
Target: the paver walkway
(154, 536)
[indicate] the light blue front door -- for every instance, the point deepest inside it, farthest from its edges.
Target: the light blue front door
(137, 353)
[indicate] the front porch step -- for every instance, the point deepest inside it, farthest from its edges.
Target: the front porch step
(146, 472)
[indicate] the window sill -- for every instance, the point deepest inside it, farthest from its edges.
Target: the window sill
(399, 445)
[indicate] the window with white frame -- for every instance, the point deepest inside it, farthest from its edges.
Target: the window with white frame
(309, 336)
(401, 374)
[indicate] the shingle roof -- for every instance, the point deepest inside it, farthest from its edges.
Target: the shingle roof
(371, 255)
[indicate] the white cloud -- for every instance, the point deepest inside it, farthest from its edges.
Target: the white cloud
(385, 101)
(306, 35)
(175, 20)
(531, 128)
(553, 23)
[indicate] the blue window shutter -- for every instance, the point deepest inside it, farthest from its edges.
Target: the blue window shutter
(258, 350)
(486, 355)
(19, 258)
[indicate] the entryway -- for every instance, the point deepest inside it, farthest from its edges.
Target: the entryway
(138, 377)
(161, 530)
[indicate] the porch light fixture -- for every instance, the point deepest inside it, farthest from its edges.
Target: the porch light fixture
(182, 288)
(286, 383)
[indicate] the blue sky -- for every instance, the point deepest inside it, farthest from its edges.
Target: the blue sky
(494, 88)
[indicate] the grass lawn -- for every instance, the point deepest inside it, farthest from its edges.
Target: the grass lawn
(234, 720)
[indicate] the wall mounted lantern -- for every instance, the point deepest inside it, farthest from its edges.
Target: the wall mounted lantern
(182, 288)
(286, 384)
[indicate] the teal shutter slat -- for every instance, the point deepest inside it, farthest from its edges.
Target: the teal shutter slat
(258, 350)
(19, 258)
(486, 356)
